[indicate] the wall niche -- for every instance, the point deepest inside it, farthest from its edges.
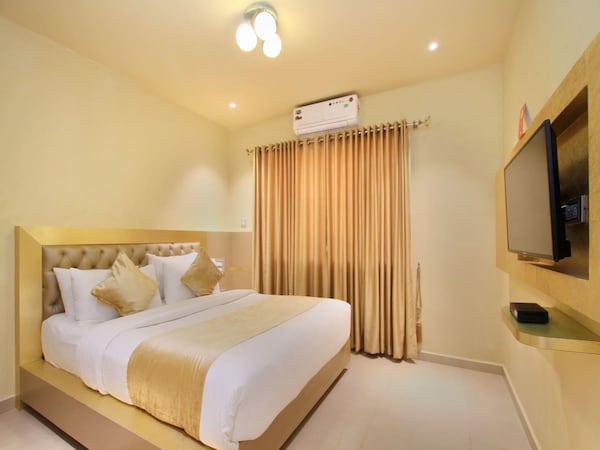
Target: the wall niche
(572, 139)
(574, 110)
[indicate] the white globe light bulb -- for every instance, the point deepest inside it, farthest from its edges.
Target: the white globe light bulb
(265, 25)
(272, 46)
(245, 37)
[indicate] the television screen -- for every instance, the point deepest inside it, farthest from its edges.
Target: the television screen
(535, 227)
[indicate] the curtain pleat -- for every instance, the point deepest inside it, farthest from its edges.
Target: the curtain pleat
(331, 219)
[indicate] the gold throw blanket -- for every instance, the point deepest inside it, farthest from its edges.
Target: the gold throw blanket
(166, 373)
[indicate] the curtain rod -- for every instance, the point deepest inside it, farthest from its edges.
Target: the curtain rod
(417, 123)
(413, 124)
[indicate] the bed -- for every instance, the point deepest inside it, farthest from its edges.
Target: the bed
(54, 389)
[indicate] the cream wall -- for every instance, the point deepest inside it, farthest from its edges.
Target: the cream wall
(559, 391)
(82, 146)
(454, 162)
(240, 164)
(548, 37)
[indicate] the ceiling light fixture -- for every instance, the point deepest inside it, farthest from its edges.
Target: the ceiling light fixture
(433, 46)
(260, 22)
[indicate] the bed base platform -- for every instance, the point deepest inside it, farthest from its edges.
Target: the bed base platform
(99, 421)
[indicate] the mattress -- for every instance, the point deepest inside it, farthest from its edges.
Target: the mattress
(245, 388)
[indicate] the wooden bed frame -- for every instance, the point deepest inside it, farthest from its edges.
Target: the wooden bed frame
(95, 420)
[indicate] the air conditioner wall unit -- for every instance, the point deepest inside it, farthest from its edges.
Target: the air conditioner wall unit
(329, 114)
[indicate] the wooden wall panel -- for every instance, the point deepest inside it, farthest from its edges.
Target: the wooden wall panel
(574, 109)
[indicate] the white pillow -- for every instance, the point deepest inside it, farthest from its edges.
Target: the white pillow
(151, 272)
(173, 270)
(157, 262)
(174, 289)
(63, 276)
(87, 307)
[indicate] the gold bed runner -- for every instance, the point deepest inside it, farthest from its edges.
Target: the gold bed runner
(166, 373)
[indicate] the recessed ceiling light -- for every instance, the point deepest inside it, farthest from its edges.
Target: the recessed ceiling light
(433, 46)
(233, 105)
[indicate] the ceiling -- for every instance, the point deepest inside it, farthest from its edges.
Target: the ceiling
(185, 50)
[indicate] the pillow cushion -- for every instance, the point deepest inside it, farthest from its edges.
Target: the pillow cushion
(202, 276)
(63, 277)
(157, 262)
(127, 289)
(86, 306)
(156, 299)
(221, 266)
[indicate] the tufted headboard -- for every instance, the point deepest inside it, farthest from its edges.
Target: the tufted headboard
(95, 257)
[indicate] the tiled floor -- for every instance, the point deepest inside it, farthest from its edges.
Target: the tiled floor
(377, 405)
(384, 405)
(20, 430)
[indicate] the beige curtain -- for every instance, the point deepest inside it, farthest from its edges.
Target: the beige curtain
(331, 219)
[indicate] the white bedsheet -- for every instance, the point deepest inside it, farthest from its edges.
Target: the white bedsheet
(61, 335)
(249, 384)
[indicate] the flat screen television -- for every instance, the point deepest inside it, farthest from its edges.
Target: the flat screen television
(534, 223)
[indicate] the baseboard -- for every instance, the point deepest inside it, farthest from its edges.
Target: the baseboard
(497, 369)
(465, 363)
(7, 404)
(533, 442)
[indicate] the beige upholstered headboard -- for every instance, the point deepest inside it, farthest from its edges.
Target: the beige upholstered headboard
(95, 257)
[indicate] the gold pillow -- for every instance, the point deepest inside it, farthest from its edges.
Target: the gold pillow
(127, 289)
(202, 276)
